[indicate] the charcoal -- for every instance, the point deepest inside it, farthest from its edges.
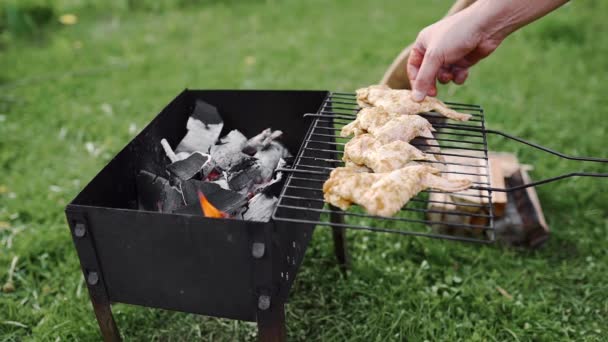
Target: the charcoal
(260, 208)
(227, 152)
(168, 150)
(261, 141)
(269, 157)
(183, 155)
(206, 113)
(243, 164)
(243, 176)
(154, 193)
(200, 137)
(253, 174)
(222, 181)
(191, 166)
(173, 157)
(225, 200)
(204, 128)
(272, 186)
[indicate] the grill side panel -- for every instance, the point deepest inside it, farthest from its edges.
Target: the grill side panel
(177, 262)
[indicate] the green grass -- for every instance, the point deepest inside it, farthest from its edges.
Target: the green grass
(98, 82)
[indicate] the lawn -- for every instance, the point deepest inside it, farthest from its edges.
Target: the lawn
(71, 96)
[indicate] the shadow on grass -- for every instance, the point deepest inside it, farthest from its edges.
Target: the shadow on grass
(26, 19)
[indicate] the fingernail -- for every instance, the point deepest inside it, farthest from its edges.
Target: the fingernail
(418, 96)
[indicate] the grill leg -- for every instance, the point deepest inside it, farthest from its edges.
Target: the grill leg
(107, 325)
(339, 235)
(98, 294)
(271, 324)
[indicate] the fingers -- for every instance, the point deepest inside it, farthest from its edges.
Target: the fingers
(452, 73)
(424, 84)
(471, 58)
(445, 75)
(413, 63)
(460, 75)
(425, 67)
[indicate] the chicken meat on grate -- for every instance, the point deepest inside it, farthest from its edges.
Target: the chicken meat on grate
(400, 101)
(384, 194)
(388, 126)
(366, 150)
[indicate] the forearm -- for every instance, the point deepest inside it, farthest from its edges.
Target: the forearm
(499, 18)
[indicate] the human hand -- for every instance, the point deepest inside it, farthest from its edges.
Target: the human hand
(446, 50)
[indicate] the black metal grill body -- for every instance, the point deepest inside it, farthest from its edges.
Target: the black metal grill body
(190, 263)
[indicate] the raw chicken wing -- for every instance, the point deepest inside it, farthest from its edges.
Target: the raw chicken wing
(366, 150)
(400, 101)
(384, 194)
(388, 127)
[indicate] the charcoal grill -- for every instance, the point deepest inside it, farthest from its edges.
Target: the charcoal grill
(241, 269)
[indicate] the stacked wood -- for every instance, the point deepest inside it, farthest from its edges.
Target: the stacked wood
(518, 216)
(524, 222)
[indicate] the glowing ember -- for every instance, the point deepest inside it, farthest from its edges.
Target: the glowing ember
(213, 175)
(208, 209)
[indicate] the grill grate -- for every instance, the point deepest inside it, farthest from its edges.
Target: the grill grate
(321, 152)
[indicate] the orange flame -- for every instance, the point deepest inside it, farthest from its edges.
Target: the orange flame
(208, 209)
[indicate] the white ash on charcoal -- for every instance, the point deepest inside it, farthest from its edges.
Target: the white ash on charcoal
(204, 128)
(260, 208)
(269, 158)
(261, 141)
(155, 193)
(169, 151)
(173, 157)
(228, 152)
(222, 173)
(271, 186)
(245, 175)
(256, 171)
(195, 164)
(186, 165)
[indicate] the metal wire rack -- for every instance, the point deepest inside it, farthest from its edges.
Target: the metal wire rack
(321, 152)
(465, 142)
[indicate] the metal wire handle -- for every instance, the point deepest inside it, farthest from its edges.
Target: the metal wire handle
(544, 149)
(506, 135)
(540, 182)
